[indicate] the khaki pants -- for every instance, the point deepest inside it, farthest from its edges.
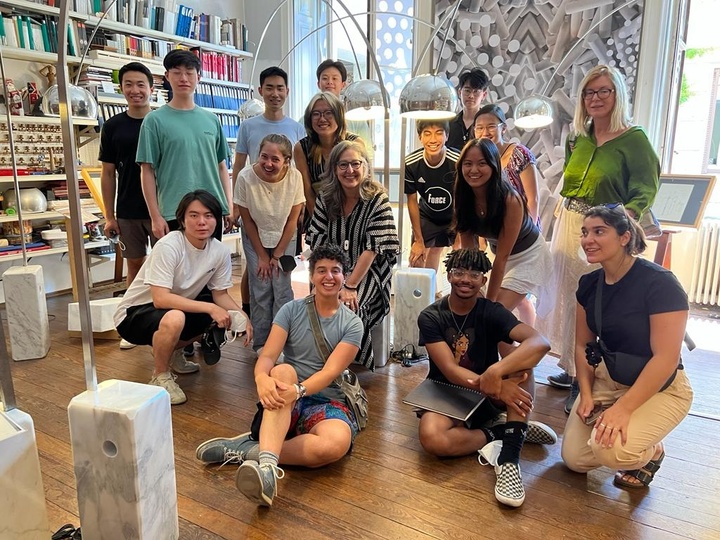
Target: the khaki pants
(649, 424)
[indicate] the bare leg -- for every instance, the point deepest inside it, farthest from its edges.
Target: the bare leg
(275, 423)
(443, 436)
(166, 339)
(327, 442)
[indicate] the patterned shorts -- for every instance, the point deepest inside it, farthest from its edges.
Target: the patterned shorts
(311, 410)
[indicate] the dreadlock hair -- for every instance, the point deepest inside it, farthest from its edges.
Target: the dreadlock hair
(470, 259)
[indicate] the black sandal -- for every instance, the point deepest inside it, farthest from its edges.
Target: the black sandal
(645, 474)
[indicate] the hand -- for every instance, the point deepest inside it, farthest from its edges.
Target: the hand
(489, 384)
(515, 397)
(220, 315)
(228, 223)
(585, 407)
(417, 254)
(111, 228)
(160, 227)
(611, 423)
(248, 332)
(269, 392)
(349, 298)
(265, 267)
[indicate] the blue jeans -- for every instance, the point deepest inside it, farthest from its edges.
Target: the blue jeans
(266, 296)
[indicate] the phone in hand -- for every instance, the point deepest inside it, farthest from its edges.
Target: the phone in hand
(595, 414)
(287, 263)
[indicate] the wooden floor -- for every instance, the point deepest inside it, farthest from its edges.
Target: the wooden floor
(388, 487)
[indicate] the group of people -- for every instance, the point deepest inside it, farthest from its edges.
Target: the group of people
(468, 185)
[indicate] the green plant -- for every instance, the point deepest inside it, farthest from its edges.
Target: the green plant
(685, 92)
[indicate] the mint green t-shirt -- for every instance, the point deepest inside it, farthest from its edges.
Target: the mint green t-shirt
(184, 148)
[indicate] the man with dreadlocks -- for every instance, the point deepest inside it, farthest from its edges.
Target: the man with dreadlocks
(461, 333)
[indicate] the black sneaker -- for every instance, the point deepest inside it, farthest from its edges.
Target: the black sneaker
(561, 380)
(212, 341)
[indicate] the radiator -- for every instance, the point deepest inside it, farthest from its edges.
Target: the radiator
(705, 284)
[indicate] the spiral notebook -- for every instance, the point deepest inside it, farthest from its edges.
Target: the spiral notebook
(445, 398)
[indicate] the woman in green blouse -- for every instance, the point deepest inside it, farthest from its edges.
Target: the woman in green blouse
(607, 160)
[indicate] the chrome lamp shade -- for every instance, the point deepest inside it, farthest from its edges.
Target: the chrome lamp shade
(249, 109)
(428, 96)
(533, 113)
(364, 100)
(82, 102)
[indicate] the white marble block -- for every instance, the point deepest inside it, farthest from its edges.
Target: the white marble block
(101, 313)
(414, 291)
(26, 312)
(22, 498)
(380, 336)
(124, 464)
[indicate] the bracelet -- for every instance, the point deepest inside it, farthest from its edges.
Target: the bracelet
(349, 288)
(274, 257)
(300, 389)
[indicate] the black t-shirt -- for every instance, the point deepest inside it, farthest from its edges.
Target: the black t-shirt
(459, 135)
(434, 185)
(645, 290)
(473, 339)
(118, 145)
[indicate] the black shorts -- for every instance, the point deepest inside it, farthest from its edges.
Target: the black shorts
(141, 323)
(485, 413)
(435, 235)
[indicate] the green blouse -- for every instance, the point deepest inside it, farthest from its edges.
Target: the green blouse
(625, 169)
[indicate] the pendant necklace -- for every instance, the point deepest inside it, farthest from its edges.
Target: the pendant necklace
(458, 326)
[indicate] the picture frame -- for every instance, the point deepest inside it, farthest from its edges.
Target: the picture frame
(93, 179)
(682, 198)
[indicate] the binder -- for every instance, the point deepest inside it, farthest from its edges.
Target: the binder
(444, 398)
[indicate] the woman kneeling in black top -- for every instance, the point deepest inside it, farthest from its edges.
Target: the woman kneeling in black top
(633, 390)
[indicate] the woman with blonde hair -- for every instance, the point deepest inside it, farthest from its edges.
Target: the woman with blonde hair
(353, 211)
(607, 160)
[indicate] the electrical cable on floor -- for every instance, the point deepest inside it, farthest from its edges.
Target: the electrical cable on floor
(407, 355)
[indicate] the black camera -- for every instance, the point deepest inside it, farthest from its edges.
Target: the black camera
(593, 353)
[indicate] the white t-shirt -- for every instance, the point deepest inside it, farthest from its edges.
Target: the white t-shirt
(269, 203)
(176, 264)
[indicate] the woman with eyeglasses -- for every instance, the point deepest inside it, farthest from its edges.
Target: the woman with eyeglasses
(353, 211)
(269, 198)
(517, 161)
(325, 124)
(607, 159)
(488, 206)
(631, 317)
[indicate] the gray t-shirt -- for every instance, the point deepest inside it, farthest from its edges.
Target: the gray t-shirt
(254, 130)
(300, 350)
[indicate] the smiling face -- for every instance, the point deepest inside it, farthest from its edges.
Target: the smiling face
(489, 126)
(271, 162)
(136, 88)
(600, 241)
(199, 223)
(323, 118)
(476, 171)
(327, 277)
(433, 139)
(351, 170)
(596, 106)
(331, 81)
(465, 283)
(274, 92)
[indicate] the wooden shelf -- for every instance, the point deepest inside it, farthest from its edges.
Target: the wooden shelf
(220, 82)
(28, 178)
(48, 120)
(27, 216)
(51, 251)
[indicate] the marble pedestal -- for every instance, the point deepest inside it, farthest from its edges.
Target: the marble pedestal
(26, 312)
(22, 498)
(380, 336)
(124, 464)
(414, 291)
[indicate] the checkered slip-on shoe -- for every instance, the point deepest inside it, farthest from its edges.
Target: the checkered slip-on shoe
(508, 486)
(539, 433)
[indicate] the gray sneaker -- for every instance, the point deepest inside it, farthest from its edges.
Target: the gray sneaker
(561, 380)
(181, 365)
(228, 450)
(167, 381)
(258, 482)
(574, 393)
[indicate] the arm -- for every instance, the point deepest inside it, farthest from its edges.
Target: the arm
(418, 247)
(643, 170)
(227, 189)
(362, 266)
(529, 180)
(340, 358)
(265, 263)
(667, 331)
(107, 184)
(584, 372)
(288, 233)
(238, 165)
(269, 388)
(302, 166)
(506, 240)
(149, 188)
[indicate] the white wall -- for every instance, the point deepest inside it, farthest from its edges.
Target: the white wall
(277, 38)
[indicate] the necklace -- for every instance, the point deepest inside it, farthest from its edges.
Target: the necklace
(458, 326)
(507, 147)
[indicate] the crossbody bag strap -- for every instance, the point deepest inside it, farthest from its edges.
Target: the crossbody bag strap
(315, 325)
(598, 304)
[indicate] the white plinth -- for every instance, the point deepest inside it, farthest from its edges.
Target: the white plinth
(101, 313)
(124, 464)
(26, 312)
(22, 498)
(414, 291)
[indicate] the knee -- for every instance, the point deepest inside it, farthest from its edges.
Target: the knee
(285, 373)
(433, 442)
(574, 459)
(172, 322)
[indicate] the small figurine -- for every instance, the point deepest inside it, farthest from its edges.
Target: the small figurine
(13, 98)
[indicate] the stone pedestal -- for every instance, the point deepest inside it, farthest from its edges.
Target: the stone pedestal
(124, 464)
(26, 312)
(414, 291)
(380, 336)
(22, 498)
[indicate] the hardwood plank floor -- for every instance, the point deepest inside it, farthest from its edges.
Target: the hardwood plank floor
(388, 488)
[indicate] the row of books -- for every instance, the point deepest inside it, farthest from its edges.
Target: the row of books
(217, 65)
(142, 47)
(40, 33)
(220, 97)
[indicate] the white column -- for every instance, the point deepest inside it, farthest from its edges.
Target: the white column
(26, 312)
(414, 291)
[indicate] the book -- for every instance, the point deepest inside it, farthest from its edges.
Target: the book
(444, 398)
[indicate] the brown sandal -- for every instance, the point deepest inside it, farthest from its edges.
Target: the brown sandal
(645, 474)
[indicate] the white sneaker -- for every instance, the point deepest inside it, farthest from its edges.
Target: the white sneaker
(181, 365)
(167, 381)
(125, 344)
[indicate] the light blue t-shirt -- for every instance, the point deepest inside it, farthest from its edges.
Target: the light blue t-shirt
(254, 130)
(300, 349)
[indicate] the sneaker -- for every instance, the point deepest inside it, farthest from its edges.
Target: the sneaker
(228, 450)
(213, 339)
(508, 485)
(574, 393)
(181, 365)
(189, 350)
(125, 344)
(167, 381)
(561, 380)
(258, 482)
(537, 432)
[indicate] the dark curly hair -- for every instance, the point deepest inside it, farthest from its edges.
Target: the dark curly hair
(470, 259)
(332, 252)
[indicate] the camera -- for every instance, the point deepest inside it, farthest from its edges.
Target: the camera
(593, 353)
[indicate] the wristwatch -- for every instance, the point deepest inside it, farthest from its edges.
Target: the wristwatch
(301, 390)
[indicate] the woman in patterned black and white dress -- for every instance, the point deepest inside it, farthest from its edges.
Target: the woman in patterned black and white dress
(353, 211)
